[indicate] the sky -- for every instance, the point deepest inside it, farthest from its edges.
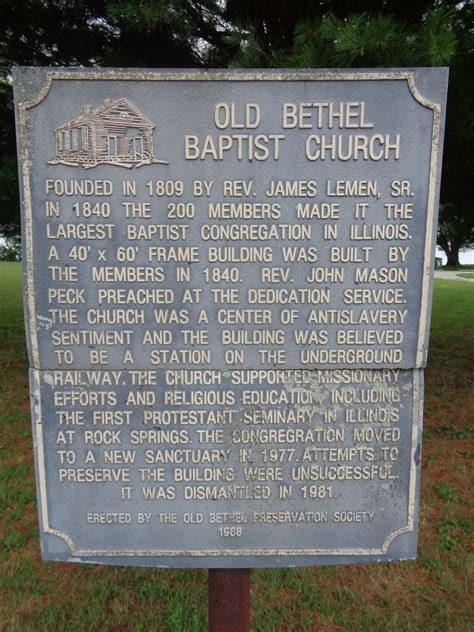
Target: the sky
(464, 257)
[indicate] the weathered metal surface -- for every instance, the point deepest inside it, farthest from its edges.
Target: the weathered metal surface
(403, 118)
(227, 296)
(332, 478)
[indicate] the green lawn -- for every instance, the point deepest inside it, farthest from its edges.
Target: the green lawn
(11, 305)
(453, 307)
(432, 593)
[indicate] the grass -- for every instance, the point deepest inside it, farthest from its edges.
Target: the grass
(430, 594)
(449, 404)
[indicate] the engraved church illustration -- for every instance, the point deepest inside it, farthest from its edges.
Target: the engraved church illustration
(116, 133)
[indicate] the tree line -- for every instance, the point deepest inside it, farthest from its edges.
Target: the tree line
(245, 33)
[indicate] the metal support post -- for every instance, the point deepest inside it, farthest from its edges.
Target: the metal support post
(229, 600)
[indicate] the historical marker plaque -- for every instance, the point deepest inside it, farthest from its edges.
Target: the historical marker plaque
(227, 301)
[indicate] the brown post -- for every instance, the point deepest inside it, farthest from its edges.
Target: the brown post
(229, 600)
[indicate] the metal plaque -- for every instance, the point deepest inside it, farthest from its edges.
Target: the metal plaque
(227, 297)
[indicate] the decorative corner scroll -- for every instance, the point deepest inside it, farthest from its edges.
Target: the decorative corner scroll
(417, 94)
